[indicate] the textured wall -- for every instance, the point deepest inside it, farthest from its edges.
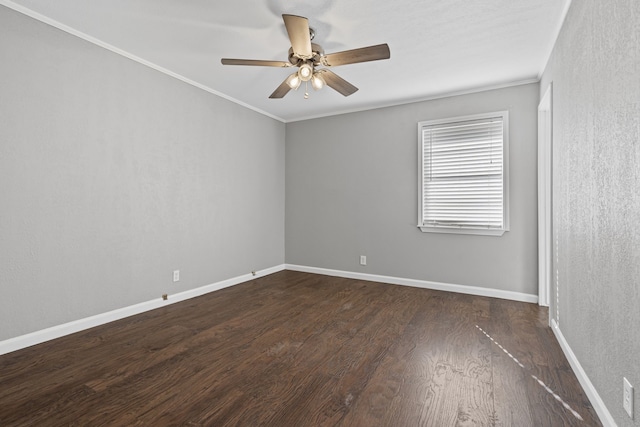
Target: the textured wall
(595, 70)
(112, 175)
(352, 189)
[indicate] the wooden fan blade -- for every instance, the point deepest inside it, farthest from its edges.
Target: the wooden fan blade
(298, 30)
(337, 83)
(258, 62)
(364, 54)
(281, 91)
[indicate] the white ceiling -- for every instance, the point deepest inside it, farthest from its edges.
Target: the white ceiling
(437, 47)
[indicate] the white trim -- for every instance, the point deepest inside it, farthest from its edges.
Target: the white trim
(462, 230)
(442, 95)
(58, 331)
(42, 18)
(424, 284)
(545, 140)
(597, 403)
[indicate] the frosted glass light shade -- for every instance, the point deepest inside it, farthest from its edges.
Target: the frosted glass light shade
(294, 81)
(317, 81)
(305, 72)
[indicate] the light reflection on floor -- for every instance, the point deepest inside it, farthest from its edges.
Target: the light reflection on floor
(547, 389)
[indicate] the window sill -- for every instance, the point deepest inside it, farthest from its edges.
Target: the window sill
(459, 230)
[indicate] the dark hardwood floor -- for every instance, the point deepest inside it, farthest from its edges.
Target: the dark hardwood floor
(297, 349)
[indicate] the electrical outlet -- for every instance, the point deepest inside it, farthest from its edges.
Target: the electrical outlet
(176, 275)
(627, 397)
(363, 260)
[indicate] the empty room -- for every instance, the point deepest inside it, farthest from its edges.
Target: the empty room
(287, 213)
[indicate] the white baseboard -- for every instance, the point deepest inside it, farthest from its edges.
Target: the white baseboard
(597, 403)
(58, 331)
(462, 289)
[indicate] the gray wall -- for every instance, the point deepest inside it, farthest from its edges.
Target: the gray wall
(595, 70)
(352, 189)
(112, 175)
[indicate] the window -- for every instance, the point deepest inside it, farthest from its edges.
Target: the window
(464, 174)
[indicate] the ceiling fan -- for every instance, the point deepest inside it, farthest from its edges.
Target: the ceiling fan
(308, 56)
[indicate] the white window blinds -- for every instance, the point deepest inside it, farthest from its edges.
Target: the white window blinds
(463, 173)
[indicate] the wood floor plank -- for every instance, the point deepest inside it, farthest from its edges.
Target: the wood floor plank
(298, 349)
(525, 365)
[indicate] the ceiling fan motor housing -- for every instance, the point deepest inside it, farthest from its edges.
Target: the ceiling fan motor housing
(316, 58)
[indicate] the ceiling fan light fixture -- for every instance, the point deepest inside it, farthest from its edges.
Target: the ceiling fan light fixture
(305, 72)
(306, 55)
(317, 81)
(294, 81)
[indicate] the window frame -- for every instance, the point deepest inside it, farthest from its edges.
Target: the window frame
(505, 176)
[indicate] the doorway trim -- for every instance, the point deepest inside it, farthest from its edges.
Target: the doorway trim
(545, 175)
